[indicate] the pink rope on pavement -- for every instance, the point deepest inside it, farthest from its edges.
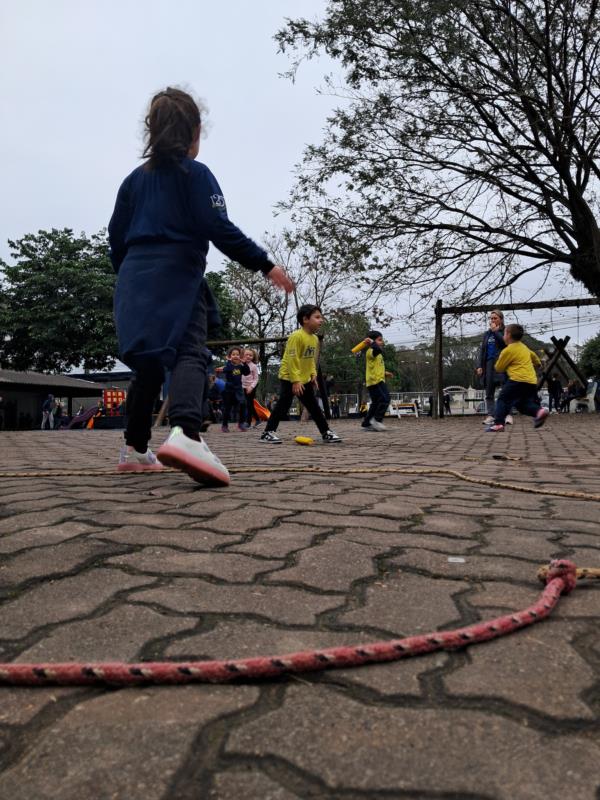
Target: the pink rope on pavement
(561, 579)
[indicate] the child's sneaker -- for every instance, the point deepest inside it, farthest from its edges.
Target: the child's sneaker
(331, 438)
(270, 436)
(224, 429)
(194, 458)
(132, 461)
(258, 424)
(540, 417)
(494, 428)
(509, 419)
(489, 420)
(243, 426)
(377, 426)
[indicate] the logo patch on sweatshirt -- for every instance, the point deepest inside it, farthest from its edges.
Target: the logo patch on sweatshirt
(217, 201)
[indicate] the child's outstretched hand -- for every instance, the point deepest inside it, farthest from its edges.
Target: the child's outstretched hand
(280, 279)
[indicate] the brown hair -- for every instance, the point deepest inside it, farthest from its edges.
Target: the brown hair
(498, 314)
(171, 125)
(254, 354)
(235, 347)
(515, 331)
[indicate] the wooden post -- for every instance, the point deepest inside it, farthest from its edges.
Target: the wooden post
(438, 381)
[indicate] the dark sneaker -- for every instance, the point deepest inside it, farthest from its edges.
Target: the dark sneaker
(243, 426)
(270, 437)
(540, 417)
(331, 438)
(494, 428)
(224, 429)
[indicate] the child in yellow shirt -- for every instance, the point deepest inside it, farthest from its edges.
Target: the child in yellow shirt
(298, 375)
(520, 390)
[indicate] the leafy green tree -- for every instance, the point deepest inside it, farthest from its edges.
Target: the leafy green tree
(342, 330)
(465, 153)
(57, 308)
(589, 359)
(228, 305)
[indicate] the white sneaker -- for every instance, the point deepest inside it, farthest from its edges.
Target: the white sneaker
(489, 420)
(194, 458)
(509, 419)
(331, 438)
(377, 426)
(132, 461)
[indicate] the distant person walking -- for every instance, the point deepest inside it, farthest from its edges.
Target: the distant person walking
(48, 412)
(554, 393)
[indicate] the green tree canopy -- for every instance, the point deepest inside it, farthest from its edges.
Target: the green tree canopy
(464, 153)
(57, 306)
(589, 359)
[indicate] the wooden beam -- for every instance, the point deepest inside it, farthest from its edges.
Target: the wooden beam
(584, 301)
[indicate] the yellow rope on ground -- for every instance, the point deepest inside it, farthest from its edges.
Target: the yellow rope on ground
(327, 471)
(593, 573)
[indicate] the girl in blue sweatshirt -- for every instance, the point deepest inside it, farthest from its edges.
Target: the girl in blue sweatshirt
(167, 212)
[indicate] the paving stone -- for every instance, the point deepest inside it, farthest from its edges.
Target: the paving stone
(391, 507)
(48, 561)
(583, 602)
(121, 744)
(165, 560)
(450, 524)
(239, 639)
(536, 667)
(528, 544)
(19, 522)
(110, 519)
(476, 567)
(20, 705)
(354, 521)
(374, 748)
(245, 519)
(332, 566)
(248, 783)
(196, 539)
(117, 635)
(402, 605)
(279, 541)
(415, 538)
(38, 537)
(63, 600)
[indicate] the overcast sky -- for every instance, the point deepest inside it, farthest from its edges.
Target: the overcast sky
(75, 80)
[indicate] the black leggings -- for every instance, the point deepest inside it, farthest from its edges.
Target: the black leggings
(308, 400)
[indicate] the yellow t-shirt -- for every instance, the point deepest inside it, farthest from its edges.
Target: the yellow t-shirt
(375, 368)
(518, 361)
(298, 363)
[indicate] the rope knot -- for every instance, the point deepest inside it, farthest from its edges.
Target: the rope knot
(564, 569)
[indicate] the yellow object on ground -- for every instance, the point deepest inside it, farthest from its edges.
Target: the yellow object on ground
(304, 440)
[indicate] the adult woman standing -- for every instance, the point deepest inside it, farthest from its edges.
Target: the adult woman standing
(491, 345)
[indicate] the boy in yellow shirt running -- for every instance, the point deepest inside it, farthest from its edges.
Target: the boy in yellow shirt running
(298, 375)
(520, 390)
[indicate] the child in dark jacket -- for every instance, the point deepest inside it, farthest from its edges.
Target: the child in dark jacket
(166, 213)
(234, 401)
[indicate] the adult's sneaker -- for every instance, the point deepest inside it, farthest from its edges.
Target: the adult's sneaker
(132, 461)
(540, 417)
(194, 458)
(332, 438)
(378, 426)
(489, 420)
(270, 437)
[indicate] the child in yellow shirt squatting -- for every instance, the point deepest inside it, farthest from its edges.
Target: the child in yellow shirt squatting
(520, 390)
(298, 375)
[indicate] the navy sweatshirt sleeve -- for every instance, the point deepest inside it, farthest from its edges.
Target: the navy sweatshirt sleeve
(118, 227)
(210, 213)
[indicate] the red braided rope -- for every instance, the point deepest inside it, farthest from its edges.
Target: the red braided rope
(561, 579)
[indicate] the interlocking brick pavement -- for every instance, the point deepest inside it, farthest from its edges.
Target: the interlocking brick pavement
(155, 567)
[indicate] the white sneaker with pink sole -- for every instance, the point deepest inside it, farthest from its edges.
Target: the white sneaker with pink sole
(194, 458)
